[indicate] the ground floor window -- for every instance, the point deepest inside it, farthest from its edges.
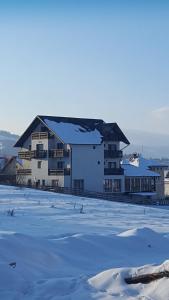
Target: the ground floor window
(78, 184)
(153, 184)
(55, 182)
(112, 185)
(135, 184)
(38, 183)
(140, 184)
(117, 185)
(43, 182)
(108, 185)
(127, 184)
(145, 185)
(29, 182)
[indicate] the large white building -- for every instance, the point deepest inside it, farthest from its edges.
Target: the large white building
(72, 152)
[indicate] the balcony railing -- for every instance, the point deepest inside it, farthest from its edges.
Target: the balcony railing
(54, 153)
(39, 154)
(113, 154)
(24, 155)
(59, 172)
(39, 135)
(32, 154)
(113, 171)
(24, 172)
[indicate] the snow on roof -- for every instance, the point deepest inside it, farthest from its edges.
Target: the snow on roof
(76, 130)
(137, 171)
(74, 134)
(145, 194)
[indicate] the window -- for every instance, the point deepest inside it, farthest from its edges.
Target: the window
(111, 165)
(117, 185)
(55, 183)
(108, 185)
(60, 165)
(137, 185)
(127, 184)
(144, 184)
(43, 182)
(94, 147)
(29, 147)
(112, 147)
(78, 184)
(39, 164)
(29, 182)
(39, 147)
(153, 184)
(59, 146)
(38, 183)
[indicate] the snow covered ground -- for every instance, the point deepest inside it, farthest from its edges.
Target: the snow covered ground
(72, 248)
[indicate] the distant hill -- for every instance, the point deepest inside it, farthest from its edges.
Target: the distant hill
(153, 145)
(7, 140)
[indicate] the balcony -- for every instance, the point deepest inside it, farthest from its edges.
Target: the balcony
(24, 155)
(59, 172)
(113, 154)
(24, 172)
(39, 135)
(56, 153)
(32, 154)
(39, 154)
(114, 171)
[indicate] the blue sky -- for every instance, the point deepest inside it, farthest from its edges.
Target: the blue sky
(100, 59)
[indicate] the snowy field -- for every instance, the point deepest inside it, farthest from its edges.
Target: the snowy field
(70, 248)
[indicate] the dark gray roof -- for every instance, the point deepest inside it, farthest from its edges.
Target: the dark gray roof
(90, 131)
(112, 132)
